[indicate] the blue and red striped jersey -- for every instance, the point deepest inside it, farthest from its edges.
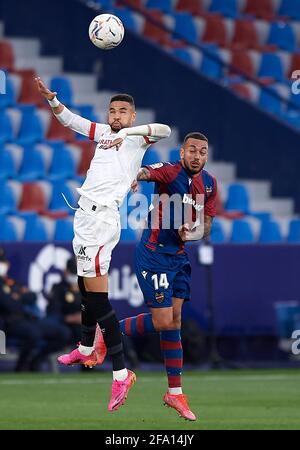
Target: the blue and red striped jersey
(172, 178)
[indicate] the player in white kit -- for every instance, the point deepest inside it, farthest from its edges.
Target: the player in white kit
(118, 156)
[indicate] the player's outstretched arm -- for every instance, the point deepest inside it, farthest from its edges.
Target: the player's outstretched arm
(154, 132)
(66, 117)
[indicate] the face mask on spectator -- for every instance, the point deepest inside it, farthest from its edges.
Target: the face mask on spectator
(3, 269)
(71, 279)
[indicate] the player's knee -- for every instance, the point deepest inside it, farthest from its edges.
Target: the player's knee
(163, 323)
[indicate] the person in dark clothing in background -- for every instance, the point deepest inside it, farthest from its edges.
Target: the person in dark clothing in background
(21, 319)
(65, 302)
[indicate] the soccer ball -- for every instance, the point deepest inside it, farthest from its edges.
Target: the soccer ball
(106, 31)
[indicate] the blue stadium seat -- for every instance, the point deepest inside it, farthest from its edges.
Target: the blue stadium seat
(228, 8)
(183, 55)
(64, 230)
(9, 99)
(290, 8)
(33, 165)
(270, 232)
(185, 27)
(8, 200)
(238, 198)
(174, 154)
(294, 231)
(63, 163)
(282, 35)
(151, 157)
(57, 202)
(105, 4)
(271, 66)
(6, 128)
(210, 64)
(269, 102)
(242, 232)
(165, 6)
(8, 230)
(217, 235)
(7, 164)
(63, 87)
(36, 230)
(31, 129)
(127, 18)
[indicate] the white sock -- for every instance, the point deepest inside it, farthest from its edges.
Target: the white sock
(120, 375)
(175, 391)
(87, 351)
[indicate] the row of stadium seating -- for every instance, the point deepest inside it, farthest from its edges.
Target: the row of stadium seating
(240, 44)
(267, 9)
(30, 226)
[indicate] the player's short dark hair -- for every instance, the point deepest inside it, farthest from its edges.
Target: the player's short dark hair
(123, 98)
(195, 135)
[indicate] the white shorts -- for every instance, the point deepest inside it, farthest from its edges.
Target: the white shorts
(97, 231)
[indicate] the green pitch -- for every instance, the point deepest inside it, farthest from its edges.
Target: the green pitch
(261, 399)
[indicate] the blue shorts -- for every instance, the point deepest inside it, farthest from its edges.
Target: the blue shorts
(162, 276)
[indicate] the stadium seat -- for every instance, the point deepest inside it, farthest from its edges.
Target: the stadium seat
(237, 199)
(217, 235)
(242, 61)
(9, 198)
(183, 55)
(11, 229)
(63, 163)
(269, 102)
(29, 93)
(294, 231)
(38, 229)
(6, 128)
(242, 232)
(35, 197)
(270, 232)
(57, 201)
(33, 165)
(57, 131)
(63, 87)
(87, 154)
(151, 157)
(194, 7)
(227, 9)
(271, 66)
(185, 27)
(128, 18)
(7, 164)
(282, 35)
(64, 230)
(9, 99)
(215, 31)
(262, 9)
(242, 89)
(165, 6)
(156, 32)
(210, 64)
(244, 36)
(290, 8)
(174, 154)
(7, 57)
(31, 129)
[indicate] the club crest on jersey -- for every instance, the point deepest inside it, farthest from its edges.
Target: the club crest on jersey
(188, 199)
(159, 297)
(208, 189)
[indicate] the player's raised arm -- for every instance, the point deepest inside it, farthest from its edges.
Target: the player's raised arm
(151, 133)
(66, 117)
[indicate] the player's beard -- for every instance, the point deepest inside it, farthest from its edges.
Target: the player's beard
(194, 170)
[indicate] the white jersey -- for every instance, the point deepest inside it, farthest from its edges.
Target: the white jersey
(112, 171)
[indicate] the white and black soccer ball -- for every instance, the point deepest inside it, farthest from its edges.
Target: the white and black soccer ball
(106, 31)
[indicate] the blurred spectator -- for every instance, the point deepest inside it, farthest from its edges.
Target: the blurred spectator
(36, 337)
(65, 302)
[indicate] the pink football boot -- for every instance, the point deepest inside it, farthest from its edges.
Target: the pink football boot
(119, 391)
(179, 403)
(99, 345)
(75, 357)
